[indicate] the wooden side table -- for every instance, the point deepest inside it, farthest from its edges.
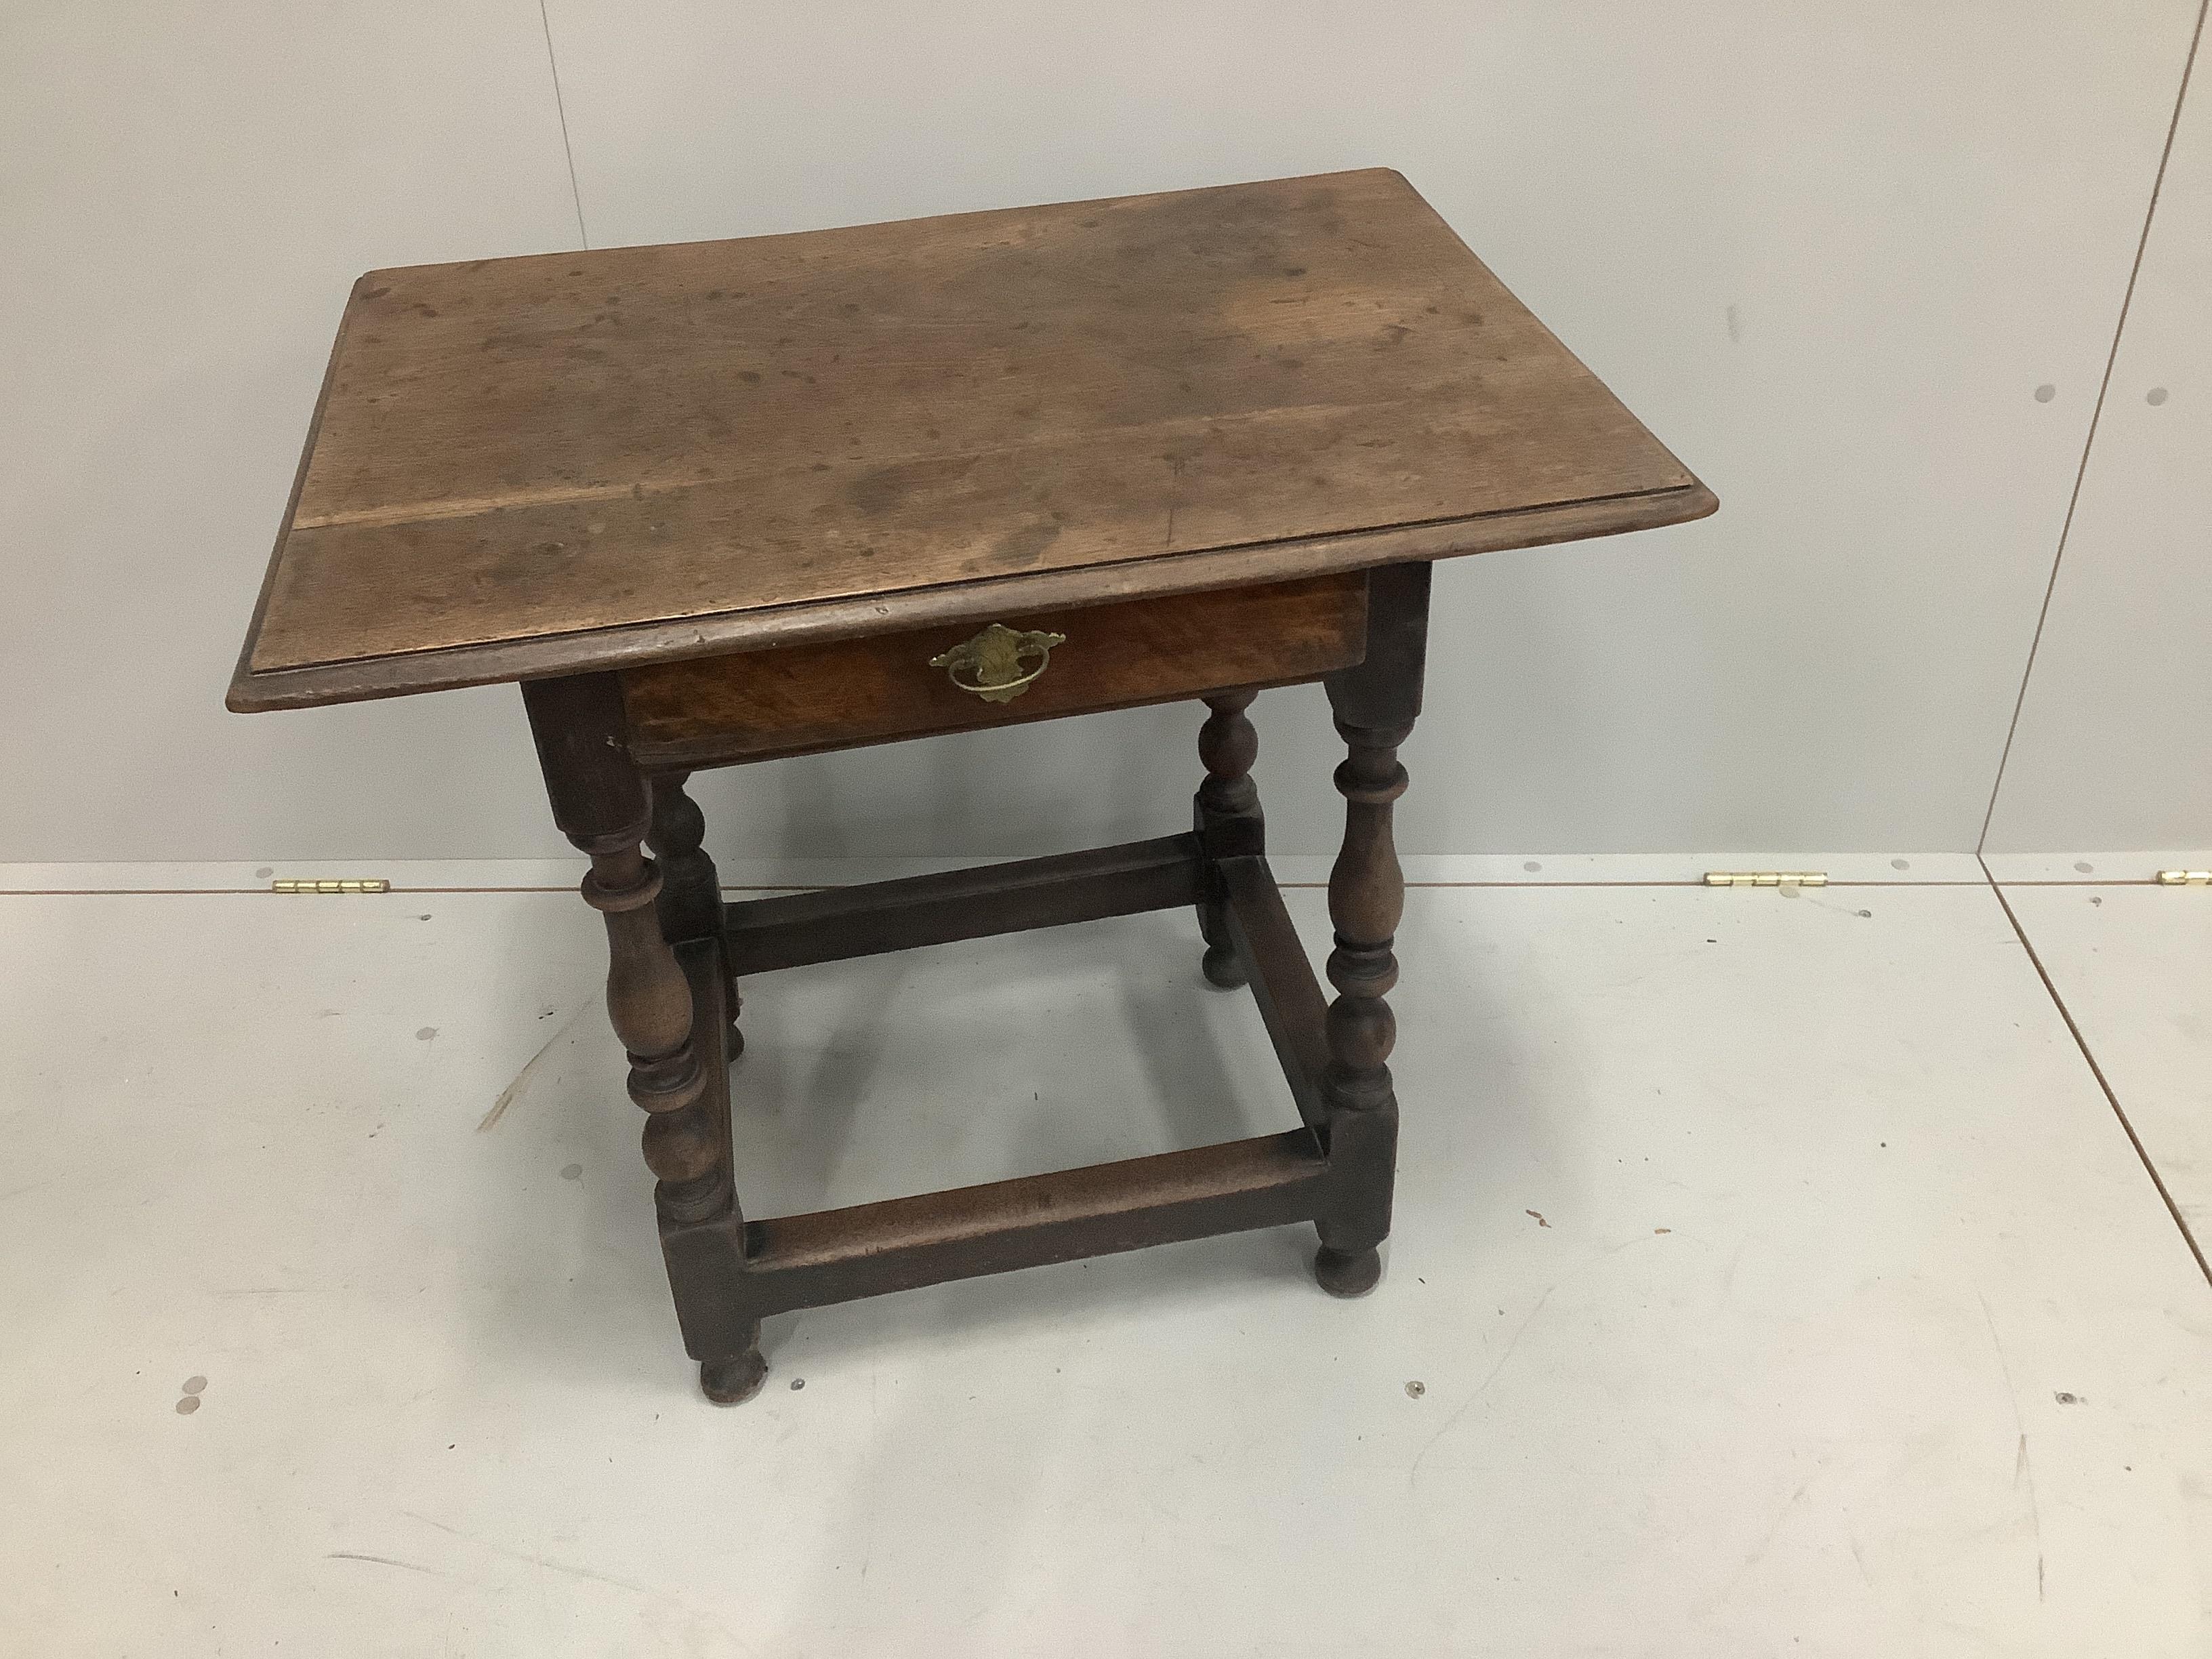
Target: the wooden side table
(713, 503)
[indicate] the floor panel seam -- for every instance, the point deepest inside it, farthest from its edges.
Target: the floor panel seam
(2096, 1071)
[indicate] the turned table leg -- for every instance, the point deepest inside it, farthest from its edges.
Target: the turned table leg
(601, 803)
(1227, 817)
(1376, 703)
(690, 902)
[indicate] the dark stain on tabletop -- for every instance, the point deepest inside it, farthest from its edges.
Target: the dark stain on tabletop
(1025, 546)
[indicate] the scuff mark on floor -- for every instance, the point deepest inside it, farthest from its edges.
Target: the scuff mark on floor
(381, 1561)
(513, 1091)
(1766, 1541)
(1412, 1474)
(540, 1561)
(2022, 1469)
(268, 1290)
(1414, 1471)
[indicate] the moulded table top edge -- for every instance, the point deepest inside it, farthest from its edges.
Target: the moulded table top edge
(366, 678)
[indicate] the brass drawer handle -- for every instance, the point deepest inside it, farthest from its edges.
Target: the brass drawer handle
(994, 658)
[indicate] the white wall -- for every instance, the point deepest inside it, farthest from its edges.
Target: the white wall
(2111, 750)
(1830, 254)
(187, 191)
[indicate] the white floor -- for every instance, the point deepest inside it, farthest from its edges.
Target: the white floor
(1772, 1275)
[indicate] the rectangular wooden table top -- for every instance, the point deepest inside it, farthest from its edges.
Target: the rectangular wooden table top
(544, 465)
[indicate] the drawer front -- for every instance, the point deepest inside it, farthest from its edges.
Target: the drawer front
(803, 699)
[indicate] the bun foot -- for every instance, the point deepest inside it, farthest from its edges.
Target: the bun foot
(733, 1381)
(736, 1045)
(1222, 968)
(1347, 1272)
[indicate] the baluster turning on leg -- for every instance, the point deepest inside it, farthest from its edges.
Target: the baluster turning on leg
(601, 803)
(690, 902)
(1376, 703)
(1226, 814)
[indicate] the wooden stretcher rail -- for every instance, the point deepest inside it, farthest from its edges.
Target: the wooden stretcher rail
(1291, 1001)
(836, 1255)
(831, 926)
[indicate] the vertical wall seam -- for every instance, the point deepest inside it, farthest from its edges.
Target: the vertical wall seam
(2089, 441)
(560, 109)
